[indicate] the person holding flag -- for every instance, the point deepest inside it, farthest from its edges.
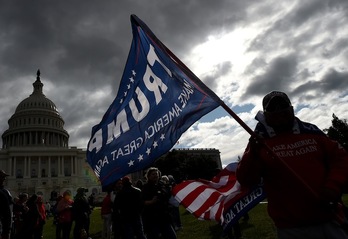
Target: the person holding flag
(302, 169)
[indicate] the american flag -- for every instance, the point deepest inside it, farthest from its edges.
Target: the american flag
(206, 199)
(219, 198)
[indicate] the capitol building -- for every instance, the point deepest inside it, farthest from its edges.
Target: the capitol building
(37, 156)
(36, 153)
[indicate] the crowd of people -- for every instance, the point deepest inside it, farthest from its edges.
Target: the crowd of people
(141, 210)
(24, 216)
(145, 210)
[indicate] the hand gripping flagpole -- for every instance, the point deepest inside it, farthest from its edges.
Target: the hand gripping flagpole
(201, 85)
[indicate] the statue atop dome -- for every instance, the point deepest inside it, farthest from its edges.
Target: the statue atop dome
(37, 84)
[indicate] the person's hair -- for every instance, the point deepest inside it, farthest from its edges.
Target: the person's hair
(150, 170)
(165, 179)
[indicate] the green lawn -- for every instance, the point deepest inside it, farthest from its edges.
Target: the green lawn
(258, 226)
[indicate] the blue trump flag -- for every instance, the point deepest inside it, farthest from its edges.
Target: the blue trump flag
(159, 98)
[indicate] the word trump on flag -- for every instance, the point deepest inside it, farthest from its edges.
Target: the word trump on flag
(120, 124)
(158, 99)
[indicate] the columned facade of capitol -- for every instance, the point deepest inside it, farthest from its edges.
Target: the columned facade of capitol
(36, 153)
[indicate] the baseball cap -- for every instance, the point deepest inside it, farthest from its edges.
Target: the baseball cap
(3, 174)
(275, 101)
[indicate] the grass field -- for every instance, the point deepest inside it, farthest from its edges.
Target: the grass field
(258, 226)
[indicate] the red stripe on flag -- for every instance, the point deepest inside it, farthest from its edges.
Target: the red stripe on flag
(208, 199)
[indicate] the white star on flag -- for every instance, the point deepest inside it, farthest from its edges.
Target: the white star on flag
(148, 151)
(155, 144)
(162, 137)
(131, 163)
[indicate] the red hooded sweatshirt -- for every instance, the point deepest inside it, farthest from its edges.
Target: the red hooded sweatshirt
(306, 162)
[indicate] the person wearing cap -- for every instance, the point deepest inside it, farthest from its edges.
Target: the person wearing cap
(5, 207)
(303, 172)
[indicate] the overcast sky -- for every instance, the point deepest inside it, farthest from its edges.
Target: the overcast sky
(240, 49)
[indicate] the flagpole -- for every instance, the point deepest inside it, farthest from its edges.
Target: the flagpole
(199, 83)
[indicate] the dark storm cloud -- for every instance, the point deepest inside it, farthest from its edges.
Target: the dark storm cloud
(308, 16)
(82, 46)
(332, 82)
(90, 38)
(278, 76)
(257, 63)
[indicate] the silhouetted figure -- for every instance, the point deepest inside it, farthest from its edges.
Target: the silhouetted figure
(82, 211)
(65, 214)
(156, 216)
(130, 205)
(106, 215)
(116, 216)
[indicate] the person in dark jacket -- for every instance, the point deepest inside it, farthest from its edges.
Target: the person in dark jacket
(5, 207)
(81, 211)
(117, 222)
(303, 172)
(30, 219)
(156, 215)
(130, 205)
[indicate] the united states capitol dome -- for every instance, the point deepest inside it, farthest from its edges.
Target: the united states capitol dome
(36, 122)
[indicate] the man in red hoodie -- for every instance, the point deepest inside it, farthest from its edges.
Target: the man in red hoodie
(303, 171)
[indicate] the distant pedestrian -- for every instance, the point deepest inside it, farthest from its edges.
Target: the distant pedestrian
(30, 219)
(5, 208)
(65, 214)
(82, 211)
(41, 218)
(130, 205)
(56, 217)
(19, 210)
(156, 216)
(106, 215)
(116, 216)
